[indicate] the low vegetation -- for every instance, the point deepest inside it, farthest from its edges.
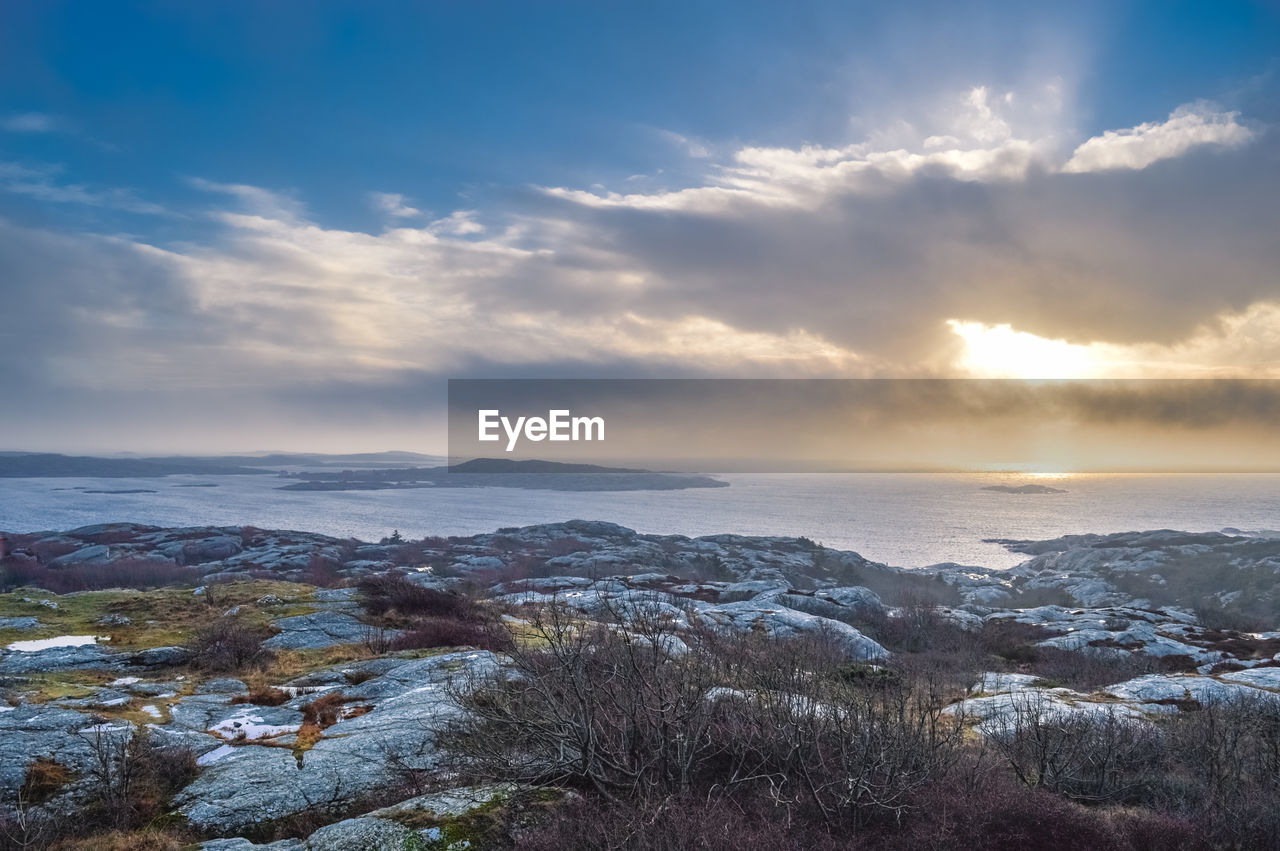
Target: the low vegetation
(751, 742)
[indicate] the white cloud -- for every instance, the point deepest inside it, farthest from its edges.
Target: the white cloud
(259, 201)
(811, 260)
(33, 122)
(1190, 126)
(458, 223)
(41, 183)
(393, 204)
(692, 147)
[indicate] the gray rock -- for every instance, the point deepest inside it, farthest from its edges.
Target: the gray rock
(855, 597)
(210, 549)
(253, 783)
(321, 629)
(86, 555)
(19, 623)
(160, 657)
(221, 685)
(363, 832)
(781, 622)
(384, 828)
(87, 656)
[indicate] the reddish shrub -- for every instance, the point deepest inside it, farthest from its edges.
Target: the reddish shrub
(265, 696)
(743, 823)
(565, 546)
(230, 644)
(111, 536)
(391, 592)
(452, 632)
(323, 572)
(123, 573)
(47, 551)
(328, 709)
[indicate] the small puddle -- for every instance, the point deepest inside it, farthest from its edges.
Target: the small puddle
(58, 641)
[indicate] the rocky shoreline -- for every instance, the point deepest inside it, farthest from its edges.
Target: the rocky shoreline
(1134, 599)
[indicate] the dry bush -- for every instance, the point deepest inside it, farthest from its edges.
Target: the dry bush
(132, 777)
(262, 696)
(122, 573)
(1096, 756)
(230, 644)
(146, 839)
(631, 715)
(1089, 669)
(45, 777)
(323, 572)
(392, 593)
(746, 823)
(452, 632)
(1003, 815)
(1224, 771)
(327, 710)
(566, 546)
(47, 551)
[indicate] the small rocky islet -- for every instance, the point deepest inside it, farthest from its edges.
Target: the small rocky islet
(262, 757)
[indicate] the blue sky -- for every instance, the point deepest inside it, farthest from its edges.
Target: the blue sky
(441, 188)
(455, 102)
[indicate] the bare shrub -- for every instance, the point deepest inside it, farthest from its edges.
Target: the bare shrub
(262, 696)
(230, 644)
(1003, 814)
(375, 639)
(587, 823)
(323, 572)
(637, 714)
(1089, 668)
(122, 573)
(1100, 755)
(452, 632)
(1225, 772)
(392, 593)
(327, 710)
(131, 776)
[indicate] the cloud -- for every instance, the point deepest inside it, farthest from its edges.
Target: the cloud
(34, 122)
(41, 183)
(458, 223)
(1190, 126)
(843, 260)
(256, 200)
(393, 204)
(692, 147)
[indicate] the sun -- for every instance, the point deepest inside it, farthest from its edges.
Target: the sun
(998, 351)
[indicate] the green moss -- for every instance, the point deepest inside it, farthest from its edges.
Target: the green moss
(158, 618)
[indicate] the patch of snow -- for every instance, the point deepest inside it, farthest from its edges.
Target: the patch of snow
(250, 727)
(35, 644)
(105, 728)
(214, 755)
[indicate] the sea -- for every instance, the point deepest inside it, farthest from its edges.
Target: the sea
(904, 519)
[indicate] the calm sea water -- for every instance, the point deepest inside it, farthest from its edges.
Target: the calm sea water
(904, 519)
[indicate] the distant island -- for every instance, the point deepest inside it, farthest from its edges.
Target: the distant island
(43, 465)
(499, 472)
(1023, 489)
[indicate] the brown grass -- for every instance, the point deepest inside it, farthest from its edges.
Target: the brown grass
(262, 696)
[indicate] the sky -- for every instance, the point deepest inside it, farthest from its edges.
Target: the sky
(245, 226)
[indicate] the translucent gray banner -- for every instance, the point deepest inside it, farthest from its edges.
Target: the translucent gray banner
(842, 425)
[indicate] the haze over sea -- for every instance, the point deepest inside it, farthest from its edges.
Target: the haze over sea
(909, 520)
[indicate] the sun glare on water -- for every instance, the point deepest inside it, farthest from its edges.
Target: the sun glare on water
(998, 351)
